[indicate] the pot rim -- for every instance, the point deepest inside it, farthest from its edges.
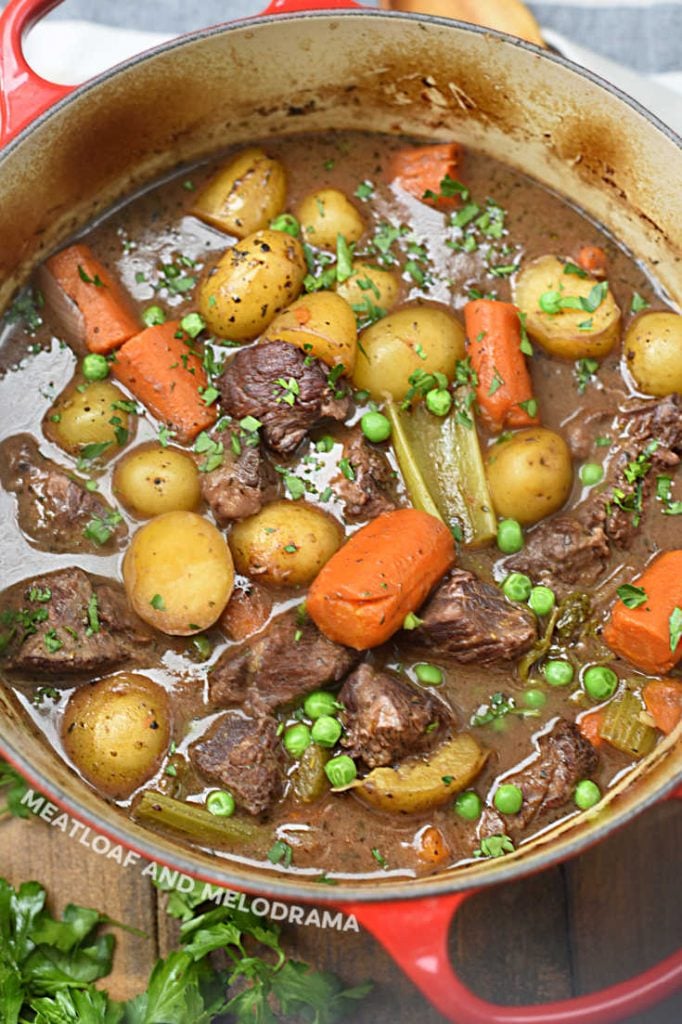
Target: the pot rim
(227, 873)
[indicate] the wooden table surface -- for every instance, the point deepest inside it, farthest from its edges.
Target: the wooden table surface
(599, 919)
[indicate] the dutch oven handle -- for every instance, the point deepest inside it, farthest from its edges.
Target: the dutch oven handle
(415, 933)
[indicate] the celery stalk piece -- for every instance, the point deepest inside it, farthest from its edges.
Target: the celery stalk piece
(192, 822)
(623, 727)
(441, 463)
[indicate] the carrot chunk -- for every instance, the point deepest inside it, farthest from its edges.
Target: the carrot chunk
(385, 571)
(590, 724)
(504, 390)
(422, 170)
(161, 370)
(646, 635)
(663, 699)
(592, 259)
(108, 317)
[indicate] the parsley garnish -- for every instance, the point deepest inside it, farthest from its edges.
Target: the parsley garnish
(290, 390)
(93, 616)
(637, 303)
(364, 191)
(632, 596)
(379, 858)
(100, 528)
(158, 603)
(496, 383)
(213, 450)
(675, 626)
(585, 370)
(494, 846)
(26, 307)
(280, 853)
(52, 642)
(573, 268)
(347, 469)
(499, 706)
(98, 283)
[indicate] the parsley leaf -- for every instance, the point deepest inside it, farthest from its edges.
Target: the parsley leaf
(675, 626)
(494, 846)
(632, 596)
(100, 529)
(637, 303)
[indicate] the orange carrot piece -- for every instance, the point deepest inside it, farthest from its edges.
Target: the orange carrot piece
(165, 374)
(384, 572)
(643, 634)
(663, 699)
(590, 724)
(504, 391)
(592, 258)
(108, 315)
(423, 168)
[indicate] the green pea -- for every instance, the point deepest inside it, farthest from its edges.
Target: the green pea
(509, 536)
(508, 798)
(297, 738)
(95, 367)
(375, 426)
(558, 673)
(591, 473)
(542, 600)
(429, 675)
(439, 401)
(534, 698)
(340, 770)
(587, 794)
(153, 316)
(221, 803)
(326, 731)
(517, 587)
(468, 805)
(320, 703)
(600, 682)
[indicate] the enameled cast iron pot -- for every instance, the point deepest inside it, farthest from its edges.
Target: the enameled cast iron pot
(70, 154)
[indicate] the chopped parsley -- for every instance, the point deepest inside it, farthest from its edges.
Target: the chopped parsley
(496, 383)
(637, 303)
(92, 612)
(585, 372)
(411, 621)
(675, 626)
(36, 594)
(100, 529)
(573, 268)
(26, 309)
(664, 494)
(379, 858)
(499, 706)
(347, 469)
(364, 191)
(84, 276)
(295, 486)
(290, 390)
(530, 406)
(52, 642)
(280, 853)
(494, 846)
(158, 603)
(632, 596)
(449, 187)
(213, 450)
(165, 436)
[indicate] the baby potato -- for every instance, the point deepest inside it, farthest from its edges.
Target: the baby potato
(567, 333)
(178, 573)
(369, 284)
(530, 475)
(86, 414)
(327, 213)
(286, 543)
(244, 195)
(653, 353)
(251, 283)
(152, 480)
(322, 324)
(417, 337)
(116, 731)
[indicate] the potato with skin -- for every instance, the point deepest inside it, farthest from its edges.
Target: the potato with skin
(151, 480)
(322, 324)
(251, 283)
(178, 573)
(417, 337)
(244, 195)
(418, 785)
(369, 286)
(84, 417)
(327, 213)
(116, 731)
(530, 475)
(566, 332)
(653, 353)
(286, 543)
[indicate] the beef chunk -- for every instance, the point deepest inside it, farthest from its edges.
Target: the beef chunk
(564, 757)
(247, 611)
(243, 755)
(469, 620)
(562, 551)
(372, 489)
(287, 659)
(286, 390)
(67, 622)
(240, 486)
(386, 719)
(54, 508)
(650, 445)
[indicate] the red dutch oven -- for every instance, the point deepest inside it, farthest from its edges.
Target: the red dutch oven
(69, 154)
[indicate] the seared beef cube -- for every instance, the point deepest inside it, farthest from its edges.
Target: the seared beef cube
(288, 391)
(243, 755)
(469, 620)
(247, 611)
(371, 490)
(54, 508)
(240, 486)
(387, 719)
(286, 660)
(564, 757)
(65, 622)
(562, 550)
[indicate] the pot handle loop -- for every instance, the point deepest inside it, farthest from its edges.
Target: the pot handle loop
(415, 933)
(24, 95)
(292, 6)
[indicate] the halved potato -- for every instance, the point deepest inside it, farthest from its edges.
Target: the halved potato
(244, 195)
(322, 324)
(567, 333)
(420, 785)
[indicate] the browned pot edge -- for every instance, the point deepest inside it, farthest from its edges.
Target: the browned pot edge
(395, 95)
